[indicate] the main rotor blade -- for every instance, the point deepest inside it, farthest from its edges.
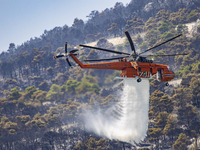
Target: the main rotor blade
(130, 41)
(166, 55)
(160, 44)
(73, 51)
(107, 50)
(68, 62)
(106, 59)
(58, 56)
(66, 47)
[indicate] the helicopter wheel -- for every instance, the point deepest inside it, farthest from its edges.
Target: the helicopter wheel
(139, 80)
(167, 84)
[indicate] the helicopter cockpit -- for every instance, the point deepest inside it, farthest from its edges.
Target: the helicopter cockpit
(143, 59)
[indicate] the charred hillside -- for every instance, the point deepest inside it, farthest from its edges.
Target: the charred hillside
(99, 23)
(42, 99)
(146, 9)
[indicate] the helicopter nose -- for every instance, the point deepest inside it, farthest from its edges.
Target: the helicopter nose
(170, 75)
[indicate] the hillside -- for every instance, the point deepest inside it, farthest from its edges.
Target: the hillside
(42, 99)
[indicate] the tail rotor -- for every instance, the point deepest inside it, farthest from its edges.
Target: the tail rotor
(68, 62)
(66, 54)
(65, 47)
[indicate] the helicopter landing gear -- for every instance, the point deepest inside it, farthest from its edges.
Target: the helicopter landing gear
(139, 80)
(167, 84)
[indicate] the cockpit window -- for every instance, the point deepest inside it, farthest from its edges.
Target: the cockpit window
(168, 68)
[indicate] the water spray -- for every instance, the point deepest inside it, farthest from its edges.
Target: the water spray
(127, 120)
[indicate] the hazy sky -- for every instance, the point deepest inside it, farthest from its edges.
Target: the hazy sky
(22, 19)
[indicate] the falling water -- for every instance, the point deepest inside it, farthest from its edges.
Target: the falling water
(127, 120)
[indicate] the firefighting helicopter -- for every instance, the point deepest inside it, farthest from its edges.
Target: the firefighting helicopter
(132, 65)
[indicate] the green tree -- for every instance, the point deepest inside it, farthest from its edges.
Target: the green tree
(160, 102)
(182, 96)
(187, 114)
(171, 127)
(195, 89)
(182, 142)
(135, 24)
(71, 86)
(36, 123)
(166, 103)
(88, 83)
(52, 118)
(165, 26)
(11, 127)
(78, 23)
(44, 86)
(161, 120)
(154, 101)
(162, 15)
(193, 16)
(29, 91)
(168, 34)
(21, 121)
(152, 36)
(14, 94)
(113, 29)
(39, 96)
(27, 96)
(150, 24)
(54, 93)
(154, 135)
(179, 16)
(93, 144)
(3, 101)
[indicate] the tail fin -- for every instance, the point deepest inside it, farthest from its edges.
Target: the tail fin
(76, 60)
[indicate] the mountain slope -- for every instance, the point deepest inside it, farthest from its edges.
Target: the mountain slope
(42, 100)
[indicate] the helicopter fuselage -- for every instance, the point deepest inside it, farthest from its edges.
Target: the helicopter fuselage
(133, 69)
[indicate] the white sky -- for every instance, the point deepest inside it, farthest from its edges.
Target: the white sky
(22, 19)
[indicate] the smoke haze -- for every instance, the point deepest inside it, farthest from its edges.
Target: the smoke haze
(127, 120)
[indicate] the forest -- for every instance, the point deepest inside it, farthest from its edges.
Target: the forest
(42, 99)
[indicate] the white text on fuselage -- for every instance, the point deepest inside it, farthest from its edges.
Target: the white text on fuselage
(145, 74)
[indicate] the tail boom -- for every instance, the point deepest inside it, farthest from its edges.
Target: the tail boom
(108, 65)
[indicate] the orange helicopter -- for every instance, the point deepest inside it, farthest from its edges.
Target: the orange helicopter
(132, 65)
